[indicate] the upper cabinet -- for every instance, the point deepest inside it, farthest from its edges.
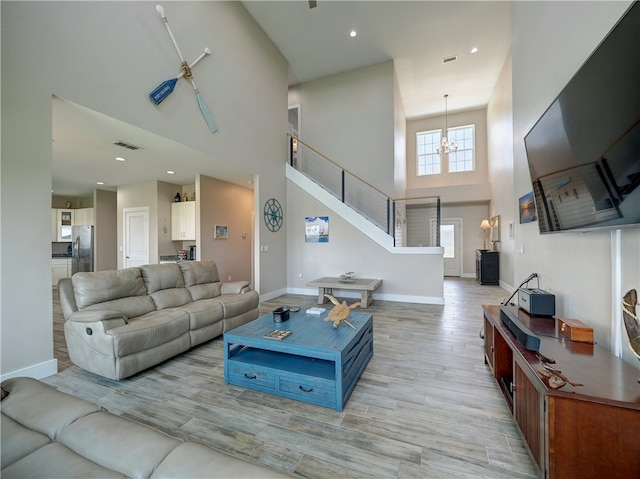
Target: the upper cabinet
(183, 221)
(84, 216)
(63, 219)
(64, 224)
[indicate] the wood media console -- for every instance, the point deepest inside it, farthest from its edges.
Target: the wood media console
(588, 431)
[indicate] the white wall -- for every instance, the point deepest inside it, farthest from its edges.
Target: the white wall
(106, 56)
(551, 40)
(349, 118)
(458, 181)
(500, 156)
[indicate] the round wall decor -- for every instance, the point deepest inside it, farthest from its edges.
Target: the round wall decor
(273, 214)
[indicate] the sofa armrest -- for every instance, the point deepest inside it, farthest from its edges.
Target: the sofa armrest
(106, 317)
(94, 315)
(67, 299)
(235, 287)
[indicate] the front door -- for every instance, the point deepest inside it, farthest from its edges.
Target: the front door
(450, 241)
(136, 237)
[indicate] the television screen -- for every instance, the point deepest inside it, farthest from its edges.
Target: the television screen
(584, 152)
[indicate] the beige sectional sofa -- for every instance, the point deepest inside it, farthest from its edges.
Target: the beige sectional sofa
(48, 433)
(118, 323)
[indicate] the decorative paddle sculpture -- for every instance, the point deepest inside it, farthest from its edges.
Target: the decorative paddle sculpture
(166, 87)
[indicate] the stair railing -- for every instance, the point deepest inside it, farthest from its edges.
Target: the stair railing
(385, 212)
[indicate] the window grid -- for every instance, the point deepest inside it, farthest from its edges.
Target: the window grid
(462, 159)
(428, 159)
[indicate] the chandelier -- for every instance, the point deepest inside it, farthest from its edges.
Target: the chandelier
(446, 147)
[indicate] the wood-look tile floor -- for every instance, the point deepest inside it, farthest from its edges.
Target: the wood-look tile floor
(425, 407)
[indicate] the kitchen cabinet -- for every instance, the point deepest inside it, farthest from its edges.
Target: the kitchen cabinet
(84, 216)
(54, 225)
(183, 221)
(60, 268)
(64, 222)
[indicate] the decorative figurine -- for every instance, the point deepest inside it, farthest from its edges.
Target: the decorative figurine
(340, 312)
(177, 198)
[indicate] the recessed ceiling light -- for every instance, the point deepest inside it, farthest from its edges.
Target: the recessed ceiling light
(99, 182)
(119, 158)
(171, 172)
(353, 34)
(474, 50)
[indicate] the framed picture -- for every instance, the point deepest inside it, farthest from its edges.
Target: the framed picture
(527, 208)
(220, 232)
(316, 229)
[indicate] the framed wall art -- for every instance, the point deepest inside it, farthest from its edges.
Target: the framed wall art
(220, 232)
(527, 208)
(316, 229)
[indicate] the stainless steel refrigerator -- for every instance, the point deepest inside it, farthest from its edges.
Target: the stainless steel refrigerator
(82, 252)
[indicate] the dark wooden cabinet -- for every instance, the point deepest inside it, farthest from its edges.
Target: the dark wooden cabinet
(487, 266)
(588, 431)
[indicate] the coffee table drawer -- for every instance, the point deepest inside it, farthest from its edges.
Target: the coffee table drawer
(304, 389)
(243, 374)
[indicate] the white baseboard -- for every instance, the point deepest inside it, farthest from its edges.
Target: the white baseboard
(37, 371)
(272, 295)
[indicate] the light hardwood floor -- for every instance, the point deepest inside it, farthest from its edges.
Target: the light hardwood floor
(425, 407)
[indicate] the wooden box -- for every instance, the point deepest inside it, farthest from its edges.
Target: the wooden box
(575, 330)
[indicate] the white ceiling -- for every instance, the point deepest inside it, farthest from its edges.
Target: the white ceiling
(416, 35)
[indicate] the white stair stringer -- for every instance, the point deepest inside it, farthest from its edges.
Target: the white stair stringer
(348, 213)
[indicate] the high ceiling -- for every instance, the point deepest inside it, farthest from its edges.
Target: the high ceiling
(416, 35)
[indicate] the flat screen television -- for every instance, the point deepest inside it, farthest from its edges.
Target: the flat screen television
(584, 152)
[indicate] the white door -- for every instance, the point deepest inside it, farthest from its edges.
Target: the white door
(136, 237)
(450, 240)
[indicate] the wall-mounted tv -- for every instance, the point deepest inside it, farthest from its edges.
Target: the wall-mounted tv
(584, 152)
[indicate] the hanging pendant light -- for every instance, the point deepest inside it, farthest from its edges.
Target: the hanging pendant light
(446, 147)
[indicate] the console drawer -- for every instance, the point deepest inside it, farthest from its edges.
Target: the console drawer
(304, 389)
(243, 374)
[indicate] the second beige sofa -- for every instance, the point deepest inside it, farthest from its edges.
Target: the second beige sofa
(120, 322)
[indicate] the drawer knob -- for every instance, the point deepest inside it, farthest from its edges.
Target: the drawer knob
(306, 390)
(250, 376)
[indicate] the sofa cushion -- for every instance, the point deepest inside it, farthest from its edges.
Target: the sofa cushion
(165, 285)
(203, 313)
(237, 304)
(102, 286)
(205, 463)
(204, 291)
(129, 307)
(23, 441)
(199, 272)
(36, 406)
(55, 460)
(119, 444)
(148, 331)
(171, 298)
(162, 276)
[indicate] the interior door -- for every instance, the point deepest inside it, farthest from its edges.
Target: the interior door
(136, 237)
(450, 240)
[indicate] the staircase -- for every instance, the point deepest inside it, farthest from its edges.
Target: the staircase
(387, 214)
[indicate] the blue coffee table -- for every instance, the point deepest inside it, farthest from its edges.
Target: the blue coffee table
(316, 363)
